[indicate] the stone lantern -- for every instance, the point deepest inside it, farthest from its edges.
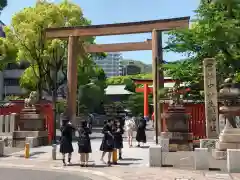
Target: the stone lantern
(229, 138)
(177, 127)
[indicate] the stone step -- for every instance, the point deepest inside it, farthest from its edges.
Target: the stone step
(219, 155)
(230, 137)
(222, 146)
(31, 116)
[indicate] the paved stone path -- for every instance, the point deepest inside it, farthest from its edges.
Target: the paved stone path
(134, 166)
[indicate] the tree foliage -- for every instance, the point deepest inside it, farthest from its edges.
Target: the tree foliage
(118, 80)
(214, 33)
(135, 103)
(3, 4)
(25, 35)
(25, 41)
(92, 95)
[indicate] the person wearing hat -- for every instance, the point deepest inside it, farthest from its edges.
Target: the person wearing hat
(66, 140)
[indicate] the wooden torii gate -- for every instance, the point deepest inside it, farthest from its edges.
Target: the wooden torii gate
(74, 35)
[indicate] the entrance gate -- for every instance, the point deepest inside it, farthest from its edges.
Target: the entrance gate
(75, 48)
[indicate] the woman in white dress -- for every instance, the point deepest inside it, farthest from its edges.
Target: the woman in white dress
(129, 127)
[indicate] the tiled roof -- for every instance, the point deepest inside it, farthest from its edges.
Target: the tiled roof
(116, 90)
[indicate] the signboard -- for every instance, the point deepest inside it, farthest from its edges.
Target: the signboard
(211, 101)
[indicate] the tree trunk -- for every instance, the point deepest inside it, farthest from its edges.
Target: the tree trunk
(40, 85)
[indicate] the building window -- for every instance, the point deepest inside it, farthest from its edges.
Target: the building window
(11, 82)
(12, 66)
(21, 65)
(24, 65)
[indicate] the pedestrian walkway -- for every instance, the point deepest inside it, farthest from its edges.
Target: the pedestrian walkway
(134, 166)
(132, 156)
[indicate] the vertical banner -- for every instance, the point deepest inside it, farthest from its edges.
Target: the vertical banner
(211, 98)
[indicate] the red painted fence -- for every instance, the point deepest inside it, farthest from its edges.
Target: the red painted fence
(196, 112)
(45, 107)
(196, 121)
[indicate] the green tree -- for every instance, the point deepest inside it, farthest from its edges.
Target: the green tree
(26, 36)
(92, 95)
(3, 4)
(135, 103)
(118, 80)
(214, 33)
(8, 52)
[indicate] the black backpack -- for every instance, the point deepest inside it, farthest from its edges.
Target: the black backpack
(82, 140)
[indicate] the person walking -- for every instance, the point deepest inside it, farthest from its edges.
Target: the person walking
(84, 144)
(107, 145)
(118, 139)
(129, 127)
(66, 140)
(141, 134)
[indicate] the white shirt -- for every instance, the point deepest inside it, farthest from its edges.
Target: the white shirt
(129, 124)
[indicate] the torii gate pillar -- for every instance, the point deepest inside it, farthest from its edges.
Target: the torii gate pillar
(72, 78)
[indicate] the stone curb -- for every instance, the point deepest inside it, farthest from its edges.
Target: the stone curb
(59, 169)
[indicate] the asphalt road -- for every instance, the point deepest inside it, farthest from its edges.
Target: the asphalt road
(23, 174)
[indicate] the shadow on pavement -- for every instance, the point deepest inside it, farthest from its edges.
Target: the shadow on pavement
(5, 156)
(89, 165)
(93, 165)
(124, 164)
(131, 159)
(32, 155)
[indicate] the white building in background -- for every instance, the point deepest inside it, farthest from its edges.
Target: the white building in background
(110, 64)
(10, 76)
(9, 80)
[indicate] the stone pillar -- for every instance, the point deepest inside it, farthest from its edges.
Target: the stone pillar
(211, 95)
(12, 121)
(1, 123)
(72, 77)
(7, 122)
(155, 156)
(233, 160)
(201, 161)
(2, 144)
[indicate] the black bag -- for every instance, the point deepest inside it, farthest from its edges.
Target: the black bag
(83, 140)
(110, 142)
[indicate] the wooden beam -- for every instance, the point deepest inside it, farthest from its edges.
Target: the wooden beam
(119, 28)
(118, 47)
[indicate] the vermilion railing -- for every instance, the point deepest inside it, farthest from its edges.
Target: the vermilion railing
(46, 108)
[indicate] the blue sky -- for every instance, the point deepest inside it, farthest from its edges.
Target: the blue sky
(113, 11)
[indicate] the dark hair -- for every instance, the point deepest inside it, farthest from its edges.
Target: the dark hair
(64, 122)
(84, 124)
(109, 120)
